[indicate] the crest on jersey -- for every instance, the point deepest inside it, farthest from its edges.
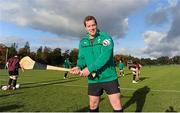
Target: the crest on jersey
(99, 40)
(106, 42)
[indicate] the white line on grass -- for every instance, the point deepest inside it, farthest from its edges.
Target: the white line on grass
(129, 89)
(154, 90)
(4, 80)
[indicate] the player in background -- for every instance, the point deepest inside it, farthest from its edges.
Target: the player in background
(135, 68)
(13, 70)
(67, 64)
(121, 68)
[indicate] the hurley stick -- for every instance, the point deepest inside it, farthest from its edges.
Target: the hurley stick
(27, 63)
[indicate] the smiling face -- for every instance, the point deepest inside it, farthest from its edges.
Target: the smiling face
(91, 28)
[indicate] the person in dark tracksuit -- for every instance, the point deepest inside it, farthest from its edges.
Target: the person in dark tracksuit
(67, 64)
(96, 56)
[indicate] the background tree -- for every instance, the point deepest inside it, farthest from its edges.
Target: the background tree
(46, 55)
(33, 55)
(39, 54)
(12, 50)
(74, 56)
(27, 47)
(3, 50)
(56, 58)
(163, 60)
(176, 59)
(25, 51)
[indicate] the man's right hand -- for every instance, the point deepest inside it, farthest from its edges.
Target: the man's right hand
(75, 70)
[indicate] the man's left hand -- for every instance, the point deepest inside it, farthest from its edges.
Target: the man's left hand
(85, 72)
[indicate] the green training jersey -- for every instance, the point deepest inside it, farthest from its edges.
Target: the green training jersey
(121, 66)
(97, 56)
(67, 63)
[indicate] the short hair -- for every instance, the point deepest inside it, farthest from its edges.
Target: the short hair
(87, 18)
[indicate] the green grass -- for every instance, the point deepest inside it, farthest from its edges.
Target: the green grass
(47, 91)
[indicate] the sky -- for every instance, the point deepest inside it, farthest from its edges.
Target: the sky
(141, 28)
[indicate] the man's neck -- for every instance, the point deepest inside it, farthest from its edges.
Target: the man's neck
(91, 37)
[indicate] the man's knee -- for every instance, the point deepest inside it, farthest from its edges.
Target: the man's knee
(115, 101)
(94, 103)
(14, 77)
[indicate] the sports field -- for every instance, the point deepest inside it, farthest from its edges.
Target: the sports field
(47, 91)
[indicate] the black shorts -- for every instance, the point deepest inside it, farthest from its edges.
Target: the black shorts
(96, 89)
(14, 73)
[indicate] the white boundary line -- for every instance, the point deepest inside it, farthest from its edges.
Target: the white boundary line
(131, 89)
(128, 89)
(154, 90)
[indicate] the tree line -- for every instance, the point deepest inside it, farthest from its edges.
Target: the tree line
(56, 57)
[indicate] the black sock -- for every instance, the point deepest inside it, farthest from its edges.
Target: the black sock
(134, 77)
(94, 110)
(118, 110)
(10, 81)
(14, 83)
(65, 75)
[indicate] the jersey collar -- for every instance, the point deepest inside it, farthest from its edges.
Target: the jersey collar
(96, 35)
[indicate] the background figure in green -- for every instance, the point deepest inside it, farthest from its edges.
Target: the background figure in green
(67, 64)
(121, 68)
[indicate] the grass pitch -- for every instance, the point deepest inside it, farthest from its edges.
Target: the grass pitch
(47, 91)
